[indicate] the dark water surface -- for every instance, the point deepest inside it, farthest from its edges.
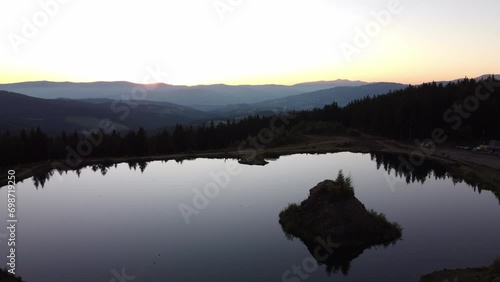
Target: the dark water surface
(92, 226)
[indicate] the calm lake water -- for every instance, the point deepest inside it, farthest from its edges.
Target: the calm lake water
(89, 227)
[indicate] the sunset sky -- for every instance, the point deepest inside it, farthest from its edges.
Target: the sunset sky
(247, 41)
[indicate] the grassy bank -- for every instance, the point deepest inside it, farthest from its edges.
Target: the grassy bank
(482, 274)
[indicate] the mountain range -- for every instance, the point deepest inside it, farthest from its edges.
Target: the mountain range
(56, 106)
(213, 95)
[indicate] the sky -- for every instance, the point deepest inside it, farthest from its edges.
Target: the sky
(193, 42)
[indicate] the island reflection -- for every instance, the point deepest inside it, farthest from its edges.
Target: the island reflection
(335, 226)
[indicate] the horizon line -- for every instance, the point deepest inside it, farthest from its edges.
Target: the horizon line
(247, 84)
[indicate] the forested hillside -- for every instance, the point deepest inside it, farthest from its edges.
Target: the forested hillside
(464, 111)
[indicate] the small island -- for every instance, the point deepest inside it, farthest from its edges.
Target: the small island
(333, 214)
(256, 160)
(332, 209)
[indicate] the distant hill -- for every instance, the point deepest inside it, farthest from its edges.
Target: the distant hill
(317, 99)
(305, 101)
(333, 83)
(199, 96)
(53, 115)
(482, 77)
(486, 76)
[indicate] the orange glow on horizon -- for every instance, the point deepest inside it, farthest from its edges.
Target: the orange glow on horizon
(296, 79)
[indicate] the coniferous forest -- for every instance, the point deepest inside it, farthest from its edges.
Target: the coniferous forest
(466, 111)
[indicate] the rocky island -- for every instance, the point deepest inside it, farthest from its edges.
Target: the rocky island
(334, 215)
(256, 160)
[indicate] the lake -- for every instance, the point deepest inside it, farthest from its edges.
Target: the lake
(124, 222)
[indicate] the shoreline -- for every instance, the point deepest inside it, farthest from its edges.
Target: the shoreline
(490, 273)
(474, 170)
